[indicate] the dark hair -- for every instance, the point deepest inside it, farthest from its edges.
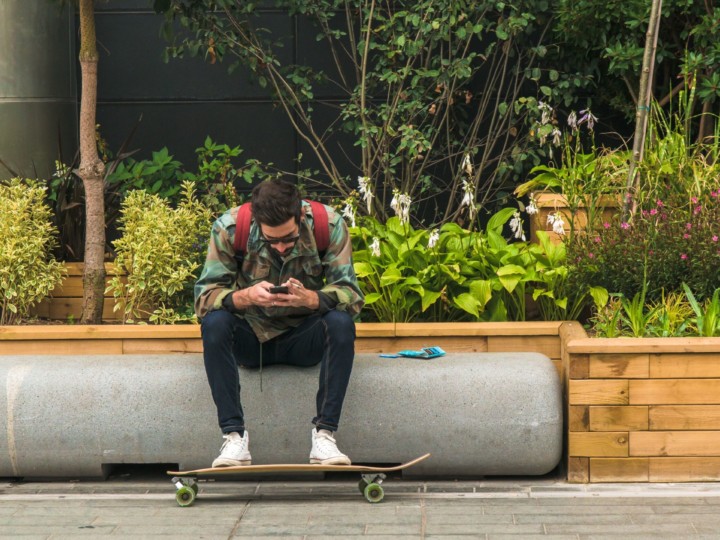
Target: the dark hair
(276, 201)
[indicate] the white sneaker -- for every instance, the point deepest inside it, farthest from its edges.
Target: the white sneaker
(324, 449)
(235, 451)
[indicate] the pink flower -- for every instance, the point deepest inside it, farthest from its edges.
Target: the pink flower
(715, 193)
(653, 211)
(683, 257)
(698, 209)
(688, 226)
(626, 225)
(660, 203)
(590, 255)
(686, 236)
(597, 239)
(694, 200)
(715, 238)
(606, 225)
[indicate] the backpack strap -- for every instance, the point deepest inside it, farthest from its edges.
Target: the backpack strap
(321, 228)
(242, 230)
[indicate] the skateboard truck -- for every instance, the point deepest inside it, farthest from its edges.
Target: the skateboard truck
(370, 487)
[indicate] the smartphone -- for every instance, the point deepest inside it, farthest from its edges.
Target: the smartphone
(279, 289)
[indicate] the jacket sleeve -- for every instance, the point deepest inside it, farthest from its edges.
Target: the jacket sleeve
(219, 273)
(341, 285)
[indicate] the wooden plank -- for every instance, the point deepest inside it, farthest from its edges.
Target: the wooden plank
(578, 470)
(526, 329)
(622, 418)
(97, 331)
(675, 443)
(682, 366)
(579, 366)
(161, 346)
(675, 392)
(682, 417)
(71, 308)
(590, 444)
(62, 347)
(76, 269)
(684, 469)
(626, 366)
(547, 345)
(374, 329)
(619, 469)
(72, 286)
(579, 418)
(598, 392)
(644, 345)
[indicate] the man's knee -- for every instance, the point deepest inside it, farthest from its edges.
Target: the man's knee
(339, 325)
(217, 328)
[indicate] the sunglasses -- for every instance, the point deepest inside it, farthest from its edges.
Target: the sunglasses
(286, 240)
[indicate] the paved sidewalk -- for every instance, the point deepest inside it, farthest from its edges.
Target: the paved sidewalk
(143, 506)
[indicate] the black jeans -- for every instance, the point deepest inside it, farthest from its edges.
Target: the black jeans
(228, 341)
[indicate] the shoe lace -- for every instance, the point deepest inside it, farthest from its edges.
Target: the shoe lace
(326, 443)
(229, 443)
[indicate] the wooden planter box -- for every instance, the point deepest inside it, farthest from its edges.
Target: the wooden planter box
(550, 203)
(542, 337)
(643, 410)
(65, 301)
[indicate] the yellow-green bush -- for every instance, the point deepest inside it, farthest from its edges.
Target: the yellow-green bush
(161, 250)
(28, 272)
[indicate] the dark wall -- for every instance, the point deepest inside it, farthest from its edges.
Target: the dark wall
(183, 101)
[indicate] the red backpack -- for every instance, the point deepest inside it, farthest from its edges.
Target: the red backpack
(320, 228)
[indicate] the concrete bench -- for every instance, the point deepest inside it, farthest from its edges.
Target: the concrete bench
(477, 413)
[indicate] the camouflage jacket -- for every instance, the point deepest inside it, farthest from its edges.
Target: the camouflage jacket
(333, 275)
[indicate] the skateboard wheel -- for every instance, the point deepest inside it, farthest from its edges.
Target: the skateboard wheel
(185, 496)
(195, 488)
(362, 485)
(374, 493)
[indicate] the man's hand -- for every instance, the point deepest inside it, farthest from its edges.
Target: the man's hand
(259, 295)
(298, 296)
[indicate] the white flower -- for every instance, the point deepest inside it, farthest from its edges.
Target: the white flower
(546, 111)
(349, 212)
(469, 198)
(434, 237)
(556, 135)
(557, 222)
(516, 226)
(587, 117)
(366, 191)
(467, 165)
(375, 247)
(401, 205)
(572, 121)
(532, 208)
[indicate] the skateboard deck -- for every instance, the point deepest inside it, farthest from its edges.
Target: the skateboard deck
(371, 477)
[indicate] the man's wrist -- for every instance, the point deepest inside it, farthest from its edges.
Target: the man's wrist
(314, 301)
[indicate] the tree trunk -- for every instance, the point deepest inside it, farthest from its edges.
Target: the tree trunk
(92, 173)
(643, 106)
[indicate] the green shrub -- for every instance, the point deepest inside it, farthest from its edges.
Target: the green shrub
(161, 249)
(27, 270)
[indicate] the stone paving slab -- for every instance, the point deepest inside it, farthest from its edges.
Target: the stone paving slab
(334, 509)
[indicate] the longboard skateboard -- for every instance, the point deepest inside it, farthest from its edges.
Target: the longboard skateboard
(370, 477)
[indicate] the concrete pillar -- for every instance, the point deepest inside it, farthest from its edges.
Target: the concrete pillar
(38, 89)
